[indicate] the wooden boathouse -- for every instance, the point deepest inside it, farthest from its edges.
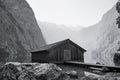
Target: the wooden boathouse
(59, 52)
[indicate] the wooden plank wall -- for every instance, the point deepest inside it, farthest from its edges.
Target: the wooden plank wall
(56, 54)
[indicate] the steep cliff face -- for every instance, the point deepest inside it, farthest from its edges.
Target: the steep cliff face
(10, 45)
(117, 54)
(19, 32)
(107, 38)
(29, 32)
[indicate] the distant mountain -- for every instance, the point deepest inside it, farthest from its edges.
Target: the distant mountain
(53, 32)
(19, 32)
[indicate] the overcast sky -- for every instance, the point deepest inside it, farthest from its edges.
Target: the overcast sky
(71, 12)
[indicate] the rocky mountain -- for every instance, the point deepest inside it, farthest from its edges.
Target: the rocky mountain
(19, 31)
(101, 39)
(107, 39)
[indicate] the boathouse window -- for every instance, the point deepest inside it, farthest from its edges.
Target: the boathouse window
(67, 54)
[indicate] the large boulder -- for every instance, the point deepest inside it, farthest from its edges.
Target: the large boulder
(50, 71)
(9, 72)
(72, 74)
(31, 71)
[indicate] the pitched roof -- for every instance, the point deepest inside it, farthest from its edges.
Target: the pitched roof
(49, 46)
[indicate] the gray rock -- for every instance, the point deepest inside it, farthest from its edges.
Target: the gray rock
(19, 32)
(28, 30)
(72, 74)
(9, 72)
(110, 76)
(50, 71)
(90, 77)
(31, 71)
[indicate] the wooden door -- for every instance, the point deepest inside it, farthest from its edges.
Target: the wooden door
(67, 55)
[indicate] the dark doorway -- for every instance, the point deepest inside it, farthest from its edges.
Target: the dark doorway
(67, 55)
